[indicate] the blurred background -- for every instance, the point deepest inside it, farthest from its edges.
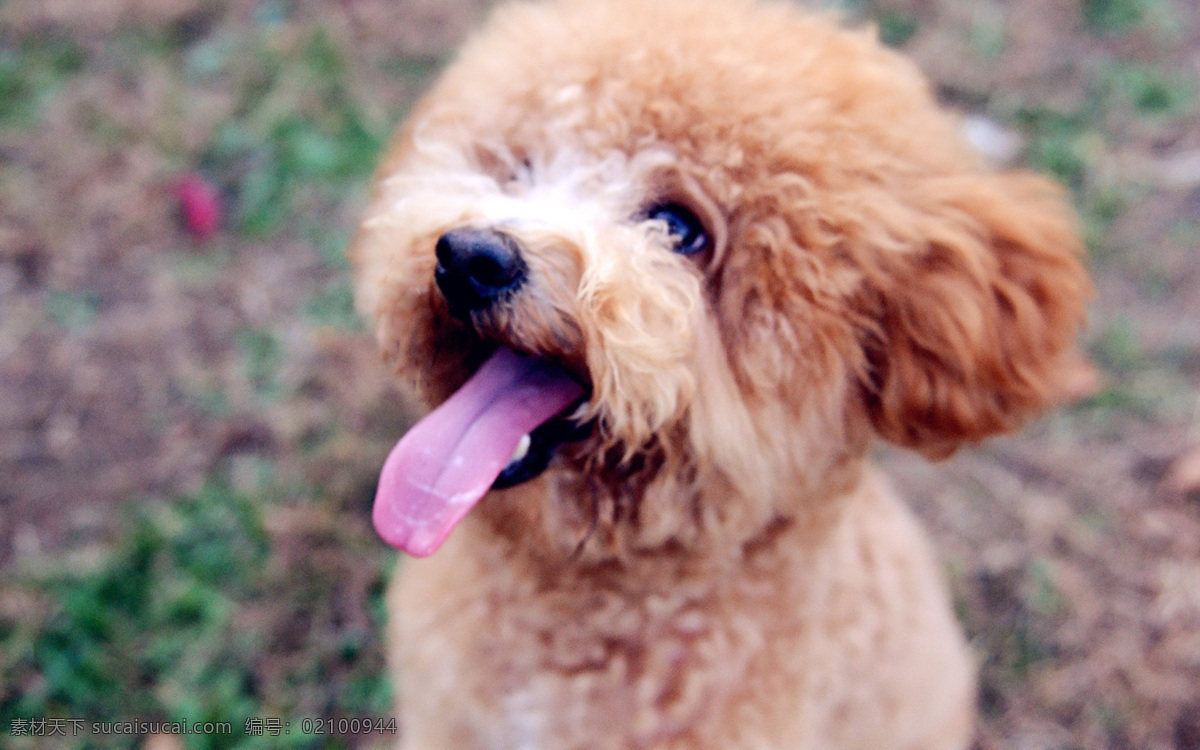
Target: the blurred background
(192, 417)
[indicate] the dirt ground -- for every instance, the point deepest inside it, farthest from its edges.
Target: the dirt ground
(136, 361)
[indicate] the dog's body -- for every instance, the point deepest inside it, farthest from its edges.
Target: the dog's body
(825, 633)
(701, 251)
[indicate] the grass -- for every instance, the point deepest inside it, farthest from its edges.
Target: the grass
(896, 27)
(1121, 16)
(334, 306)
(32, 71)
(71, 311)
(1150, 92)
(246, 601)
(271, 152)
(170, 626)
(1139, 381)
(262, 356)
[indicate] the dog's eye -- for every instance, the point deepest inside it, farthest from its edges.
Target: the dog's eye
(683, 226)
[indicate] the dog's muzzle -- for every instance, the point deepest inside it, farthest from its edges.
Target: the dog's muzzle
(477, 268)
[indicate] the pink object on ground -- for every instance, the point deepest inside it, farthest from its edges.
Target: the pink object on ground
(199, 206)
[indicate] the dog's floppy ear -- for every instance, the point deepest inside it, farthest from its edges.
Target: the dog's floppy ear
(974, 293)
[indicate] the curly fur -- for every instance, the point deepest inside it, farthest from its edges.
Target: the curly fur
(718, 566)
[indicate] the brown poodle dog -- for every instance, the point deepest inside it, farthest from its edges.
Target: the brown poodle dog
(664, 269)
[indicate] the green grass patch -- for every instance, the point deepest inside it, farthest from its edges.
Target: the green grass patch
(1185, 232)
(262, 356)
(1140, 382)
(896, 27)
(298, 129)
(214, 402)
(417, 69)
(1114, 16)
(851, 8)
(181, 622)
(1062, 144)
(333, 306)
(148, 632)
(1151, 92)
(331, 243)
(1044, 597)
(32, 71)
(1075, 146)
(1122, 16)
(1023, 649)
(1118, 349)
(70, 310)
(988, 35)
(136, 46)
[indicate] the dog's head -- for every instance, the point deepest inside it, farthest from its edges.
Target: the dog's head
(700, 251)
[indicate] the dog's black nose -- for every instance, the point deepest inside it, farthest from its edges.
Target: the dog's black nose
(476, 268)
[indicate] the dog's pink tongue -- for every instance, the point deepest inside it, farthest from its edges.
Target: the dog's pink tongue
(448, 460)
